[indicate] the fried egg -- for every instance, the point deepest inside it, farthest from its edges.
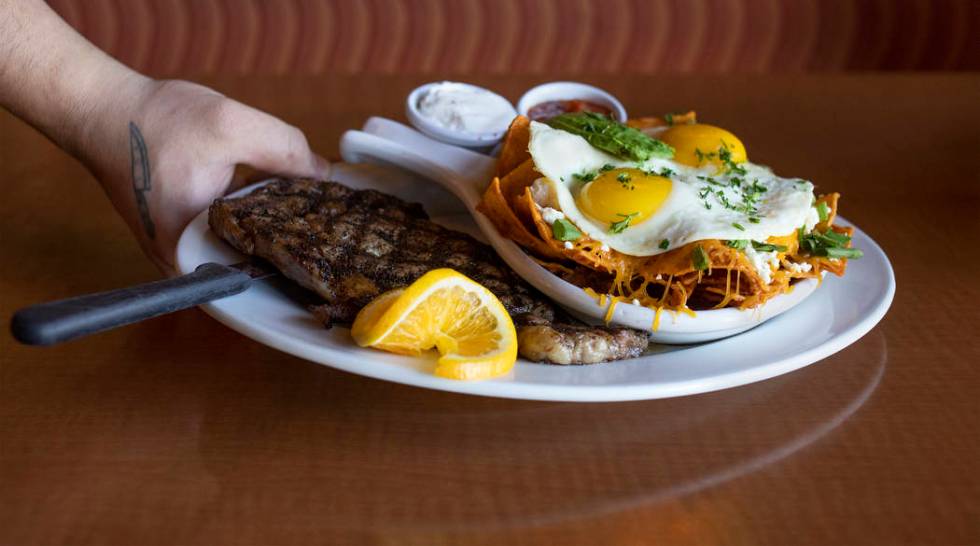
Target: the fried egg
(647, 208)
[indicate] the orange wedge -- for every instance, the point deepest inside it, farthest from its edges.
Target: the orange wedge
(449, 312)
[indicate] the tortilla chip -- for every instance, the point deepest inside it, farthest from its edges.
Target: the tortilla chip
(585, 251)
(652, 122)
(495, 207)
(514, 185)
(513, 151)
(831, 201)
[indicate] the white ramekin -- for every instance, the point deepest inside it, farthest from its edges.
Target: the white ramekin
(570, 91)
(449, 136)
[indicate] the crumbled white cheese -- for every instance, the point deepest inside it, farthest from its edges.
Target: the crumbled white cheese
(604, 248)
(549, 215)
(569, 245)
(636, 301)
(763, 262)
(798, 268)
(660, 277)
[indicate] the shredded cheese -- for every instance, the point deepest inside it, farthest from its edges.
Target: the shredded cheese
(609, 312)
(591, 293)
(656, 318)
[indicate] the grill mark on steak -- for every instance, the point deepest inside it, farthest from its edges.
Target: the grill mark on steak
(349, 246)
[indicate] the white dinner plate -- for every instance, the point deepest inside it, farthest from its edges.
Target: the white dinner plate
(840, 312)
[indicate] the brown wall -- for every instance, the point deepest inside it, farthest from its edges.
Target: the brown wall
(530, 36)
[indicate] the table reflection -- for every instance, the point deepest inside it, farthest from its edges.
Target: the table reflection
(367, 451)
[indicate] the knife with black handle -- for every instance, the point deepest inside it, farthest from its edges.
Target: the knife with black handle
(63, 320)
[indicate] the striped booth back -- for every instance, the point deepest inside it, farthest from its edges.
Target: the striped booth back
(166, 37)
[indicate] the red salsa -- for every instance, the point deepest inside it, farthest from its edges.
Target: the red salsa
(552, 108)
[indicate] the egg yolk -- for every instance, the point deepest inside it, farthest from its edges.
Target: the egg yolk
(618, 193)
(697, 144)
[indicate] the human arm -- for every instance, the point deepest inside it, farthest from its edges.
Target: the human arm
(162, 150)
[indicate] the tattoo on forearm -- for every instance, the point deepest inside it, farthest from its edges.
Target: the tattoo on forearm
(141, 177)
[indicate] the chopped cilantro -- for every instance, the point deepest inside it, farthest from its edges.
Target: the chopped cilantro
(699, 259)
(702, 156)
(585, 177)
(735, 168)
(766, 247)
(849, 253)
(829, 243)
(754, 219)
(738, 226)
(738, 244)
(823, 211)
(724, 154)
(565, 230)
(607, 167)
(724, 200)
(624, 181)
(664, 244)
(838, 238)
(669, 118)
(620, 226)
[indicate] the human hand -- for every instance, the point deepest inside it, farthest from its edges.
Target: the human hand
(162, 150)
(168, 155)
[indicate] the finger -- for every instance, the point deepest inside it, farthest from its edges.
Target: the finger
(245, 175)
(271, 145)
(322, 166)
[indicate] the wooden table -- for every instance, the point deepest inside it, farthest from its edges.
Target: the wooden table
(180, 431)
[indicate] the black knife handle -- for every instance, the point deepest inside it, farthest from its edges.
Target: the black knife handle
(58, 321)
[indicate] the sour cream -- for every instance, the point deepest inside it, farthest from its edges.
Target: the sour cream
(466, 108)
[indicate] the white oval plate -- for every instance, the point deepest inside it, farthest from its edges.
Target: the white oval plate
(846, 309)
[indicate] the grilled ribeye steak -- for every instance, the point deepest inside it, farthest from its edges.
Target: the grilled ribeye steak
(349, 246)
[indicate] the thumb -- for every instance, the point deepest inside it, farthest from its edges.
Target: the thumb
(322, 167)
(246, 174)
(273, 146)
